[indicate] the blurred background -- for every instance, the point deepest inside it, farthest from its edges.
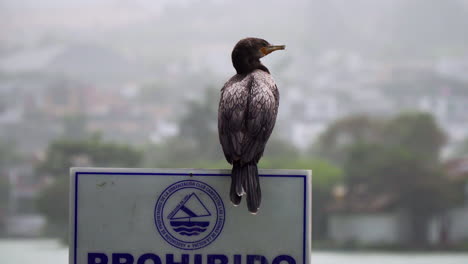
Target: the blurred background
(374, 99)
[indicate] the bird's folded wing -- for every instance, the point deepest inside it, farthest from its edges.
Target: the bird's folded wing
(231, 119)
(261, 118)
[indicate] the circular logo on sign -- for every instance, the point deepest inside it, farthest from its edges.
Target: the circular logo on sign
(189, 214)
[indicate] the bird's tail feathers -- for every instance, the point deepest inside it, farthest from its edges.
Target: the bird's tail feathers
(251, 186)
(244, 180)
(236, 191)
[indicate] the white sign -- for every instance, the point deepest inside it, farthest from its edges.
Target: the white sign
(184, 216)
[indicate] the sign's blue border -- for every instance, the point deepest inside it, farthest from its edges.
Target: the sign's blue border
(78, 173)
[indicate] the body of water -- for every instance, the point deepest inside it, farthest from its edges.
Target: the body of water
(52, 252)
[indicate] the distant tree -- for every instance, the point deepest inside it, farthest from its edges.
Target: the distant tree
(75, 127)
(417, 132)
(4, 199)
(92, 151)
(63, 154)
(361, 159)
(8, 156)
(341, 134)
(462, 149)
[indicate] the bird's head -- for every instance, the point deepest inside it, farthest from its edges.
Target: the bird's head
(247, 53)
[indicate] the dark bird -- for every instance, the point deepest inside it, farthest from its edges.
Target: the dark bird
(246, 117)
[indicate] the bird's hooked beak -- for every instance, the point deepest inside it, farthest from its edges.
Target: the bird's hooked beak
(269, 49)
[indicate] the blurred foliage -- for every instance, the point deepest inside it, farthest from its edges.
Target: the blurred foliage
(5, 189)
(75, 126)
(418, 133)
(4, 193)
(63, 154)
(341, 134)
(8, 154)
(462, 149)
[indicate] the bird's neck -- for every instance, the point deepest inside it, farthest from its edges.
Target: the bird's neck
(244, 65)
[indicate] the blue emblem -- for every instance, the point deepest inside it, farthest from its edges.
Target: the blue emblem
(189, 214)
(190, 208)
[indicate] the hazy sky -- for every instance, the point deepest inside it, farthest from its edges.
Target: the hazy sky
(365, 25)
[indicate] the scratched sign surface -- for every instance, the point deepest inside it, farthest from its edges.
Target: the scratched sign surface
(184, 216)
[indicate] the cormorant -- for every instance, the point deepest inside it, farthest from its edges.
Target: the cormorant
(246, 117)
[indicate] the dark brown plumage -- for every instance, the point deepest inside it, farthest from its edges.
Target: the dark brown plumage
(246, 117)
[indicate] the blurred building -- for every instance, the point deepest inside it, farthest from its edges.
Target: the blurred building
(23, 218)
(366, 219)
(451, 226)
